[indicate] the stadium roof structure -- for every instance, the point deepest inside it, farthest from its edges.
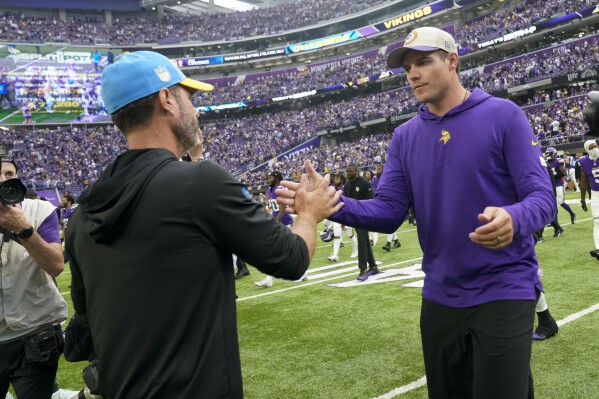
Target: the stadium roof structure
(202, 6)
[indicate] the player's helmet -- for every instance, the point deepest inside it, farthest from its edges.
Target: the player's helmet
(327, 235)
(550, 153)
(277, 175)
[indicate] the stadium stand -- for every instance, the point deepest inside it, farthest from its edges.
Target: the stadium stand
(250, 140)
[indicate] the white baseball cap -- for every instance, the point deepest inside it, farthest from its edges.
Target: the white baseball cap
(422, 39)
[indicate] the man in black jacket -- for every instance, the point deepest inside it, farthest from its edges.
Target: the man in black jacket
(152, 240)
(359, 188)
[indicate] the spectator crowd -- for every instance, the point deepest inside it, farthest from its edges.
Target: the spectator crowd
(53, 158)
(243, 143)
(173, 28)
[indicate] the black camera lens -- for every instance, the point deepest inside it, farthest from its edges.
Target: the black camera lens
(12, 191)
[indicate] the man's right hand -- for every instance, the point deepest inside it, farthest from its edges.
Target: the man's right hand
(312, 195)
(584, 205)
(287, 197)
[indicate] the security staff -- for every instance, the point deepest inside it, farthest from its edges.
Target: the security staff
(359, 188)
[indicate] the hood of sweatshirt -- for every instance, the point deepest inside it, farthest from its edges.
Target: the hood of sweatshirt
(108, 203)
(477, 97)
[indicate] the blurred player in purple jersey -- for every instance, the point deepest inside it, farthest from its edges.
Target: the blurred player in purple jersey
(274, 180)
(481, 280)
(546, 326)
(67, 203)
(589, 174)
(557, 228)
(560, 173)
(570, 163)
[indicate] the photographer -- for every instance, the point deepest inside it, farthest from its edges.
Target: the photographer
(30, 303)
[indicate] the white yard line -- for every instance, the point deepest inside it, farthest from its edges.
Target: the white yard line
(320, 281)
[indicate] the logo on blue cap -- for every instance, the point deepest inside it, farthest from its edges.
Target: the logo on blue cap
(139, 74)
(163, 74)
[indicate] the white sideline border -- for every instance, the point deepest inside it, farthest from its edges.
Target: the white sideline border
(422, 381)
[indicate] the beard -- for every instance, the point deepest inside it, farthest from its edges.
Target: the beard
(186, 132)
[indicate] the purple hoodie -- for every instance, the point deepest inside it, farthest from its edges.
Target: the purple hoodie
(481, 153)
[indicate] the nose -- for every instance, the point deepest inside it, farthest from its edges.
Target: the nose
(413, 74)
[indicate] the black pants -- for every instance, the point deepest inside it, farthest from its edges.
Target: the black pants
(7, 98)
(29, 380)
(365, 255)
(482, 352)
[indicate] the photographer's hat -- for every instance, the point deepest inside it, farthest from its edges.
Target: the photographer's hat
(137, 75)
(422, 39)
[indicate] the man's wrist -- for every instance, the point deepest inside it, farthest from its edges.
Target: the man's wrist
(25, 233)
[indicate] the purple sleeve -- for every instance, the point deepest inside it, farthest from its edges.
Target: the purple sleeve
(536, 203)
(48, 230)
(389, 208)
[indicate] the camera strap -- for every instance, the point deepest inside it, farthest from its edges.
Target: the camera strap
(9, 235)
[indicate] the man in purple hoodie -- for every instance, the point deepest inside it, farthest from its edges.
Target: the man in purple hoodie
(481, 283)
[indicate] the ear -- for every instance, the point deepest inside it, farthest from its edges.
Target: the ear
(166, 101)
(453, 61)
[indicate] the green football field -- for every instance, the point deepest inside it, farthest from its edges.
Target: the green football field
(314, 340)
(15, 116)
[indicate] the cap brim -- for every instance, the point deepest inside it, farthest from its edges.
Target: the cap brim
(196, 84)
(395, 58)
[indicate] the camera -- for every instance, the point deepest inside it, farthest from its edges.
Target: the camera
(12, 191)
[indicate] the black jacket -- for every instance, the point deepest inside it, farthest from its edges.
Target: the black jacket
(150, 248)
(359, 189)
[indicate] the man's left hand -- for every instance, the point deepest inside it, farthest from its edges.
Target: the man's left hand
(12, 217)
(497, 231)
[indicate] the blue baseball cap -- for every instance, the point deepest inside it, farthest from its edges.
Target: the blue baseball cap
(137, 75)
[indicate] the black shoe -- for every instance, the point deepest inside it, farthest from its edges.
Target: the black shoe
(573, 218)
(546, 330)
(387, 247)
(396, 244)
(341, 245)
(242, 273)
(558, 233)
(595, 253)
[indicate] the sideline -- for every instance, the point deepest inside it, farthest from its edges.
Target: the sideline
(422, 381)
